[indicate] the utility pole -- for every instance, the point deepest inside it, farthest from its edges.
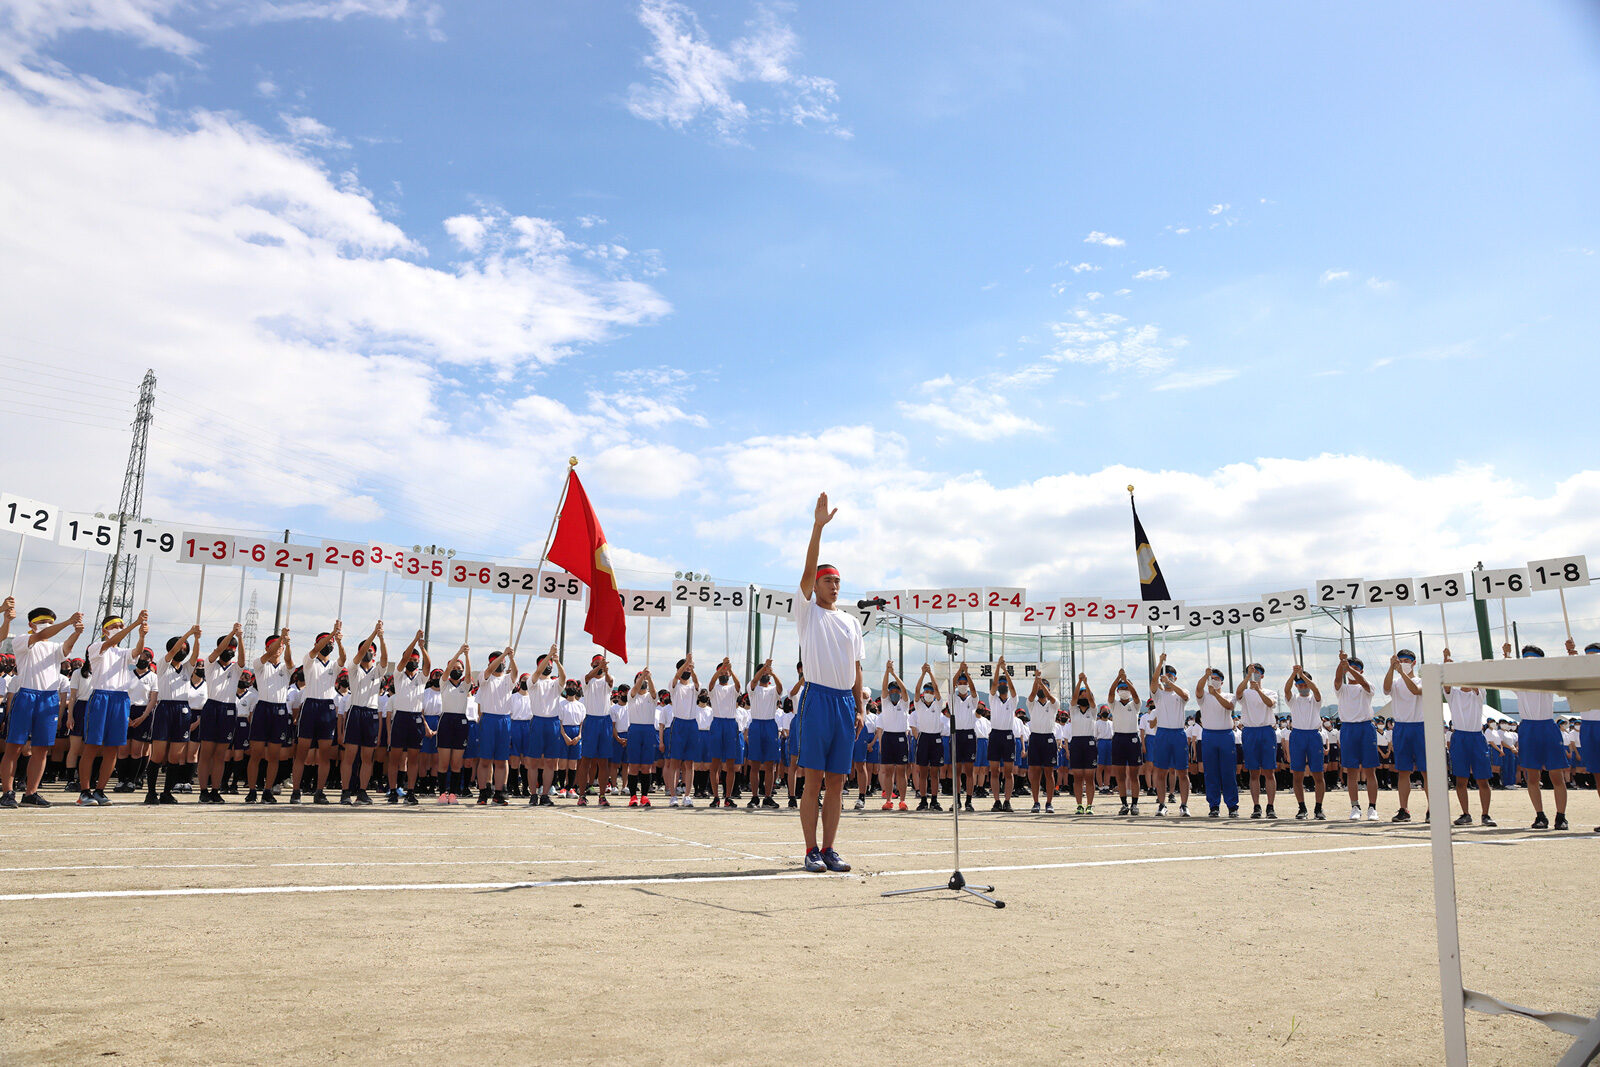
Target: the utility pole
(116, 592)
(252, 619)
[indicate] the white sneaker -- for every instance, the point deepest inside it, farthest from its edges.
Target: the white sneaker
(1372, 813)
(688, 802)
(672, 803)
(1355, 813)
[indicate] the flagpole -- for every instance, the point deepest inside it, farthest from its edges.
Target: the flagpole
(466, 633)
(572, 465)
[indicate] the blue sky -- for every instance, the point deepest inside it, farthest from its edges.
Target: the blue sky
(1297, 270)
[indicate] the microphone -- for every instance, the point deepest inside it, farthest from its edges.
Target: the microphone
(874, 602)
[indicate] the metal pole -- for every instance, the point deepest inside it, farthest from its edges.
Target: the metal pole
(749, 610)
(242, 572)
(277, 611)
(1350, 617)
(17, 566)
(561, 632)
(991, 638)
(202, 595)
(688, 636)
(572, 466)
(427, 613)
(466, 633)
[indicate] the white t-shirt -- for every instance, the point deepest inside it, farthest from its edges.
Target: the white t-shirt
(38, 664)
(494, 693)
(1305, 713)
(407, 696)
(173, 682)
(1213, 716)
(702, 718)
(195, 696)
(1169, 710)
(1124, 717)
(1082, 720)
(1002, 710)
(521, 706)
(1404, 705)
(1042, 717)
(1355, 703)
(244, 703)
(1147, 723)
(1195, 730)
(432, 702)
(1535, 706)
(597, 696)
(1384, 737)
(830, 643)
(642, 710)
(1103, 730)
(383, 705)
(453, 696)
(272, 682)
(965, 709)
(724, 700)
(782, 719)
(113, 668)
(139, 689)
(1254, 709)
(981, 728)
(320, 678)
(683, 696)
(928, 718)
(543, 693)
(222, 683)
(1063, 732)
(571, 712)
(364, 683)
(764, 702)
(895, 716)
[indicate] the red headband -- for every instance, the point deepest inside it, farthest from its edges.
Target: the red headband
(827, 569)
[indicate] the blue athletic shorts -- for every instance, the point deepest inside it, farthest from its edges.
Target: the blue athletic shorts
(761, 741)
(544, 739)
(33, 718)
(319, 722)
(405, 731)
(980, 757)
(895, 752)
(1260, 748)
(1410, 747)
(1589, 745)
(430, 745)
(574, 734)
(269, 724)
(1103, 750)
(361, 727)
(1469, 755)
(1082, 753)
(453, 731)
(930, 750)
(520, 735)
(169, 722)
(1125, 751)
(1540, 747)
(470, 751)
(1041, 751)
(494, 738)
(1358, 746)
(106, 720)
(216, 722)
(80, 710)
(641, 749)
(1305, 751)
(594, 739)
(722, 740)
(859, 746)
(825, 726)
(683, 739)
(1002, 746)
(1171, 749)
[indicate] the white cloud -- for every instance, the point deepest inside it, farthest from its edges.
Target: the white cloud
(652, 398)
(1108, 340)
(468, 231)
(1181, 230)
(1122, 292)
(1097, 238)
(1217, 209)
(694, 79)
(1093, 296)
(979, 409)
(1079, 268)
(308, 131)
(1153, 274)
(1195, 379)
(1379, 285)
(1329, 276)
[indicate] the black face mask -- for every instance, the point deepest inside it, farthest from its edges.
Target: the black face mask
(684, 677)
(456, 676)
(225, 657)
(1083, 705)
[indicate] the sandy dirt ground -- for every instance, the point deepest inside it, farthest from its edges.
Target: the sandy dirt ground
(485, 936)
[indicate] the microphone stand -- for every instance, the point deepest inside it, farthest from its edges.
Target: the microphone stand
(956, 883)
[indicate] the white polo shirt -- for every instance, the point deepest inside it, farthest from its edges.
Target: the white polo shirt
(222, 683)
(830, 643)
(407, 692)
(1042, 717)
(928, 718)
(272, 681)
(364, 684)
(965, 709)
(895, 716)
(1002, 710)
(320, 678)
(112, 668)
(453, 696)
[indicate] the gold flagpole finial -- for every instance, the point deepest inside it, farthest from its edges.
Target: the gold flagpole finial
(1130, 488)
(572, 461)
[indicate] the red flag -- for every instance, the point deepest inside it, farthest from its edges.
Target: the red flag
(579, 548)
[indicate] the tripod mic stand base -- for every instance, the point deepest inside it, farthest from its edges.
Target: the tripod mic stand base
(956, 884)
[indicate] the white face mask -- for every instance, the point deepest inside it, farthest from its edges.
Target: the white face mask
(962, 690)
(1123, 697)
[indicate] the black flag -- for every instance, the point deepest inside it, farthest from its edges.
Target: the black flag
(1152, 585)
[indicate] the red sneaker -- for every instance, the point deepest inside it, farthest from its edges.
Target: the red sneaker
(644, 802)
(903, 806)
(633, 800)
(888, 805)
(604, 803)
(582, 801)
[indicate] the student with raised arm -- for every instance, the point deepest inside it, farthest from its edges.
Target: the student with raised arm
(832, 706)
(1300, 692)
(1259, 739)
(963, 734)
(406, 724)
(1042, 710)
(363, 724)
(927, 725)
(723, 754)
(762, 736)
(1409, 746)
(594, 736)
(1358, 738)
(318, 722)
(494, 725)
(1082, 748)
(35, 699)
(1469, 750)
(219, 714)
(1218, 757)
(682, 735)
(269, 720)
(1125, 742)
(1002, 741)
(454, 694)
(1539, 745)
(105, 727)
(169, 726)
(642, 739)
(546, 747)
(1171, 745)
